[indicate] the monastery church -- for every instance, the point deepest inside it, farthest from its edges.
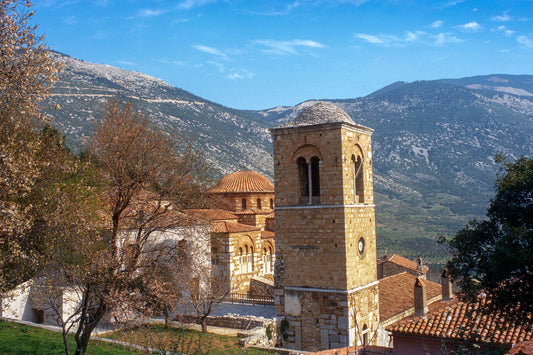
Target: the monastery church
(318, 255)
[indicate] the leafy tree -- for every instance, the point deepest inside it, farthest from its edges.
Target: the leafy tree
(147, 177)
(495, 255)
(26, 75)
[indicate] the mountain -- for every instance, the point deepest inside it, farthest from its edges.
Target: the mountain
(434, 141)
(232, 139)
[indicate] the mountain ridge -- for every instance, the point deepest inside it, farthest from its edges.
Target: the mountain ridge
(434, 141)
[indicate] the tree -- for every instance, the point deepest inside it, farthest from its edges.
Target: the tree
(26, 74)
(148, 176)
(495, 255)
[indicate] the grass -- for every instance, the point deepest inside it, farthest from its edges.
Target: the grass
(18, 339)
(181, 340)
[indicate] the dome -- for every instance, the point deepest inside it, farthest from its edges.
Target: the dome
(321, 112)
(243, 181)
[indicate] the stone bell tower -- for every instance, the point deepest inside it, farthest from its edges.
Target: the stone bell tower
(326, 291)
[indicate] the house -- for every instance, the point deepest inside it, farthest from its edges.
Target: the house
(449, 324)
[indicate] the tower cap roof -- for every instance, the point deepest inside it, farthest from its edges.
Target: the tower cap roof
(321, 112)
(243, 181)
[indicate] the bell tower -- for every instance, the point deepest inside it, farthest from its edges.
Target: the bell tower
(326, 288)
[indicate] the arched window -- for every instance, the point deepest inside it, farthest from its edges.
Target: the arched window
(251, 260)
(271, 203)
(315, 176)
(358, 183)
(259, 203)
(241, 260)
(243, 204)
(303, 174)
(309, 177)
(267, 260)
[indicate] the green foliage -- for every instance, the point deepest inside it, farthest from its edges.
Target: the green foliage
(20, 339)
(495, 255)
(269, 331)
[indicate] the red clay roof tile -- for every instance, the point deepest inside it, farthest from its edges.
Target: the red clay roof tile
(396, 294)
(457, 320)
(243, 181)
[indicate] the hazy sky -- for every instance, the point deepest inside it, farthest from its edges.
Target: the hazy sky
(257, 54)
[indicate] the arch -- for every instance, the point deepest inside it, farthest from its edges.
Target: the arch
(271, 203)
(259, 203)
(243, 204)
(307, 151)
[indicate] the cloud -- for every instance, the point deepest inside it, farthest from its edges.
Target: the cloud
(189, 4)
(144, 13)
(239, 74)
(507, 32)
(502, 18)
(526, 42)
(453, 3)
(70, 20)
(445, 38)
(209, 50)
(388, 40)
(124, 62)
(286, 47)
(471, 26)
(437, 24)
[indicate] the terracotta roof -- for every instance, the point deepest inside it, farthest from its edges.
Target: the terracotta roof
(396, 294)
(457, 320)
(525, 348)
(231, 227)
(212, 214)
(403, 262)
(243, 181)
(267, 234)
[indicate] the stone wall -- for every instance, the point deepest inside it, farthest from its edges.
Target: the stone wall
(326, 290)
(261, 287)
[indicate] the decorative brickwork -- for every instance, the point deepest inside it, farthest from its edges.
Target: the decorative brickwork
(325, 276)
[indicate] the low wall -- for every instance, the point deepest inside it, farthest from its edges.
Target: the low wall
(243, 323)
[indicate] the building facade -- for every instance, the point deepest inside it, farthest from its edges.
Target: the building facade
(326, 288)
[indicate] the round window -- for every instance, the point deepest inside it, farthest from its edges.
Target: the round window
(361, 246)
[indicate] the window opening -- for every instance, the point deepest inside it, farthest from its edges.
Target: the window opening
(259, 203)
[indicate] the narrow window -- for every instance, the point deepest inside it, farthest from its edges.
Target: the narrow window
(303, 175)
(241, 261)
(243, 204)
(315, 176)
(259, 203)
(271, 203)
(251, 260)
(359, 183)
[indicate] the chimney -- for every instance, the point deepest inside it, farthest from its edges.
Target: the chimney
(446, 283)
(421, 304)
(419, 264)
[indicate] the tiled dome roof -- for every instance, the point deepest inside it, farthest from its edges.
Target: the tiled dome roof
(243, 181)
(321, 112)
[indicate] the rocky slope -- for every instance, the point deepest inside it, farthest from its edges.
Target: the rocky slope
(434, 141)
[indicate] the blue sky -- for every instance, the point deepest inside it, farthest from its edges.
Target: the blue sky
(257, 54)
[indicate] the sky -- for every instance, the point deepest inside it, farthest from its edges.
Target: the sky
(259, 54)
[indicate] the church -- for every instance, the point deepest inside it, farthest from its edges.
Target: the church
(317, 252)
